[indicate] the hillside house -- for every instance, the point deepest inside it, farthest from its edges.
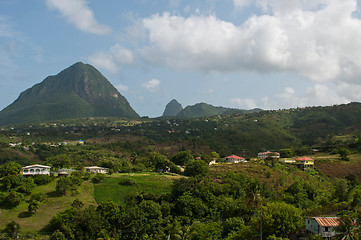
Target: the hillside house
(324, 226)
(234, 159)
(36, 170)
(96, 169)
(267, 154)
(304, 163)
(80, 142)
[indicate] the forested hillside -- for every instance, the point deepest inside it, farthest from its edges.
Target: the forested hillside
(145, 194)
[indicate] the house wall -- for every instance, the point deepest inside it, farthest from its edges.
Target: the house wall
(312, 225)
(232, 160)
(36, 171)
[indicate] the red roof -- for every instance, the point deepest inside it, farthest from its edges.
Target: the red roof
(328, 221)
(235, 157)
(304, 159)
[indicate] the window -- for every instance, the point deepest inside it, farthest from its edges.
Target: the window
(326, 229)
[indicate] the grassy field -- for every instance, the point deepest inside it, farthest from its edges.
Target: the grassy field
(332, 166)
(110, 189)
(48, 208)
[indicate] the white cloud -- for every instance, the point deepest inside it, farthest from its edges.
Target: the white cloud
(6, 29)
(78, 13)
(243, 103)
(313, 39)
(151, 85)
(322, 95)
(122, 88)
(241, 3)
(317, 95)
(113, 59)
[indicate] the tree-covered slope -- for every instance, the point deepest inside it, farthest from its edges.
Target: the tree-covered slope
(78, 91)
(200, 110)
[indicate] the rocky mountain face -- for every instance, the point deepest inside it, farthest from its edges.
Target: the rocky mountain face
(172, 109)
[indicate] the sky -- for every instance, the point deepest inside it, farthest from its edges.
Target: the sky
(269, 54)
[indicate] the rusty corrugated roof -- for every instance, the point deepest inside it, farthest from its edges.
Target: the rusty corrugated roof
(328, 221)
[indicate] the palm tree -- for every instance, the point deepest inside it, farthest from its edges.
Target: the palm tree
(347, 229)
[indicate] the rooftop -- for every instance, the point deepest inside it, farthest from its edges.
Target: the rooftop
(328, 221)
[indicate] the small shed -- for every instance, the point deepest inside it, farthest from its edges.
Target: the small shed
(324, 226)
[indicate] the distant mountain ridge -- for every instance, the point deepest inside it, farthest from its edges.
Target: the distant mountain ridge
(200, 110)
(76, 92)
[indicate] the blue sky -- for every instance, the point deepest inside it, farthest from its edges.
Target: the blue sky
(271, 54)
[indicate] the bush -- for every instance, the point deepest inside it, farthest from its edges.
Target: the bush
(126, 181)
(99, 177)
(196, 168)
(33, 206)
(26, 186)
(13, 199)
(42, 179)
(38, 197)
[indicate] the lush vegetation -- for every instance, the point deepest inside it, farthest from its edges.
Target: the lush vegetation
(206, 110)
(146, 196)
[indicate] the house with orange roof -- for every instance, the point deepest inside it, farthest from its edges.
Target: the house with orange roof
(234, 159)
(324, 226)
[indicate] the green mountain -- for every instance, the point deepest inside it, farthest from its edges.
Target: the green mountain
(206, 110)
(76, 92)
(172, 109)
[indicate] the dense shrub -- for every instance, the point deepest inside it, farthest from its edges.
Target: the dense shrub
(99, 177)
(12, 199)
(38, 197)
(42, 179)
(126, 181)
(196, 168)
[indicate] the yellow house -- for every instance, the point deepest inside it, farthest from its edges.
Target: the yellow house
(304, 163)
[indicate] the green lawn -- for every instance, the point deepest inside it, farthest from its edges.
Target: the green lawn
(48, 208)
(110, 189)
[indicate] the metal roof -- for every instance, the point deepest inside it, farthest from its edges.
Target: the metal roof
(328, 221)
(234, 157)
(36, 165)
(304, 159)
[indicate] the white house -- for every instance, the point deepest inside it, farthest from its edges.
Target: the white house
(267, 154)
(96, 169)
(324, 226)
(36, 170)
(234, 159)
